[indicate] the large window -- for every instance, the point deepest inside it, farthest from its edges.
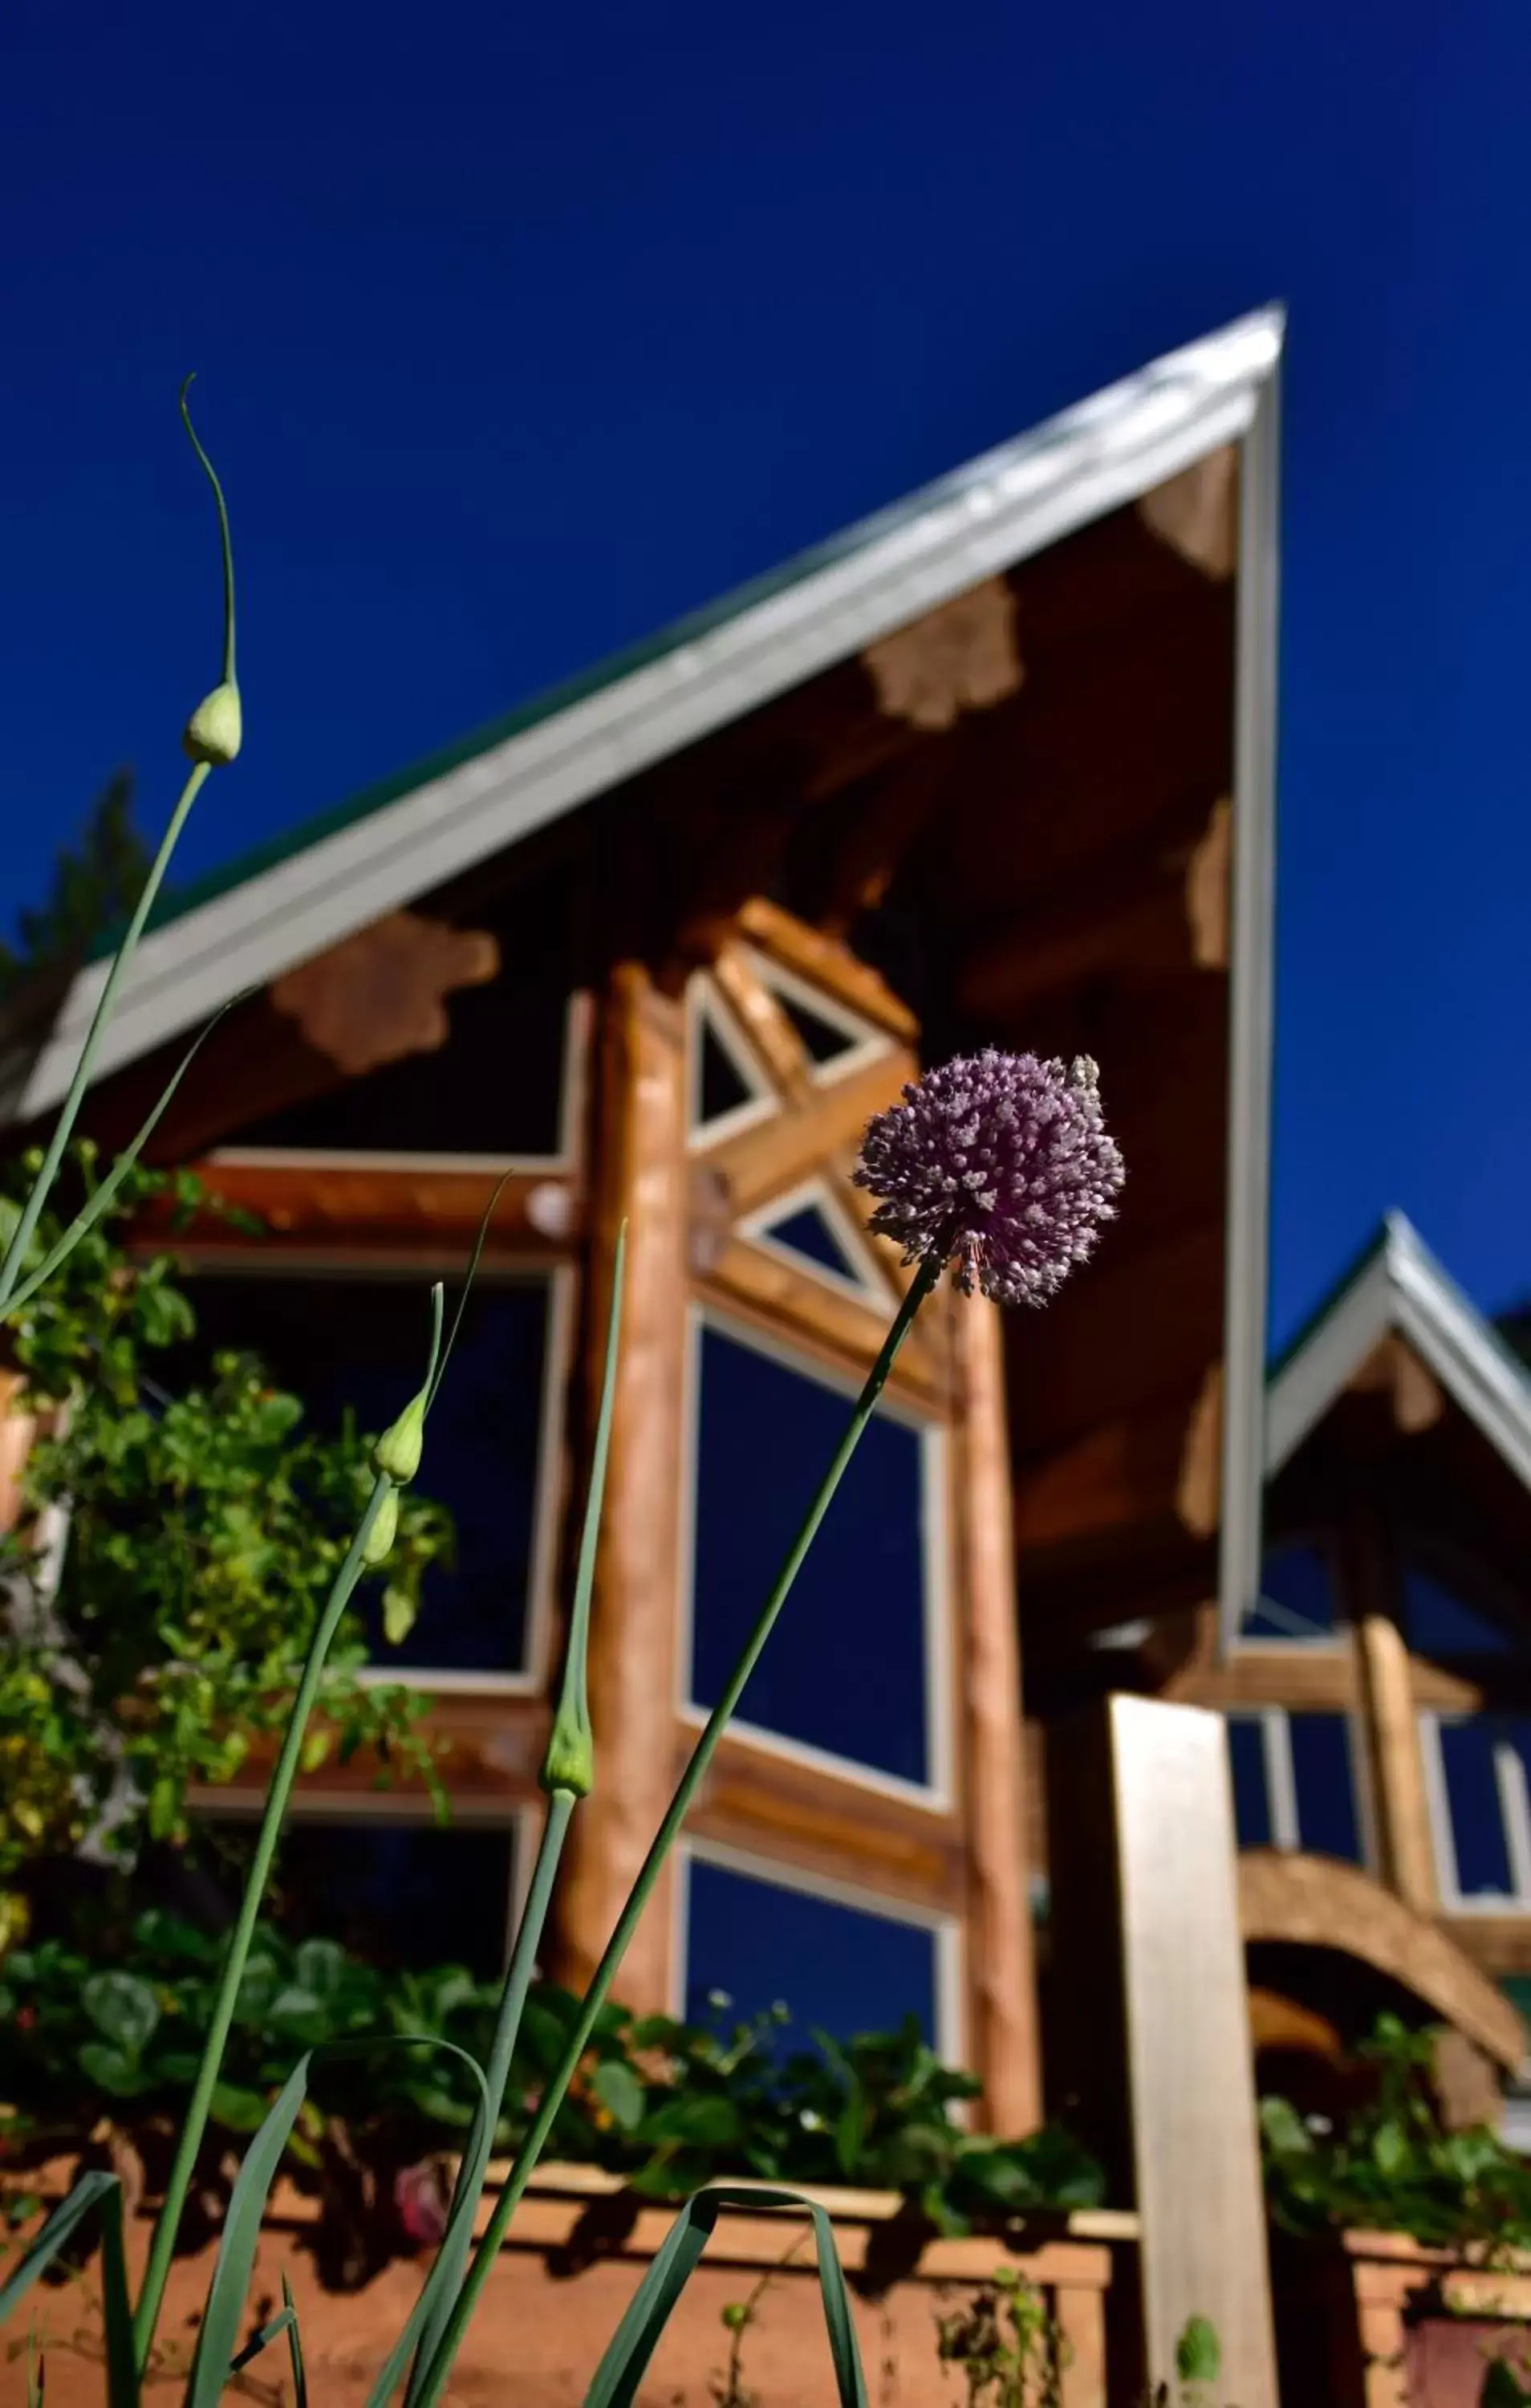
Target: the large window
(357, 1344)
(1476, 1769)
(1295, 1781)
(403, 1895)
(840, 1961)
(854, 1669)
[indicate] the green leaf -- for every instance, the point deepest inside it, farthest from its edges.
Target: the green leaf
(1283, 2128)
(295, 2013)
(219, 2338)
(236, 2108)
(621, 2369)
(1390, 2149)
(400, 1610)
(94, 2191)
(159, 1933)
(122, 2008)
(1501, 2386)
(621, 2093)
(321, 1966)
(1198, 2353)
(694, 2121)
(112, 2069)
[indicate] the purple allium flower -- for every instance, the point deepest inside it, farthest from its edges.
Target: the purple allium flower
(999, 1162)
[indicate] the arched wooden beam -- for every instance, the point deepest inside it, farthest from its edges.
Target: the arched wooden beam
(1312, 1902)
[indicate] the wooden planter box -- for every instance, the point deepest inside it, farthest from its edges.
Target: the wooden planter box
(1376, 2320)
(576, 2249)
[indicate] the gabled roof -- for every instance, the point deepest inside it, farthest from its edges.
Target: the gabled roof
(1398, 1286)
(430, 823)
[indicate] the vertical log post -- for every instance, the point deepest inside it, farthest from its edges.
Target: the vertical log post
(1404, 1844)
(639, 1176)
(1149, 2029)
(1001, 1975)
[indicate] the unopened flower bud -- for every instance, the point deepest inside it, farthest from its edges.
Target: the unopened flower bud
(397, 1452)
(570, 1761)
(216, 728)
(378, 1544)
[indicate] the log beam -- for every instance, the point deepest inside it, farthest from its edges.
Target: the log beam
(642, 1178)
(1002, 2034)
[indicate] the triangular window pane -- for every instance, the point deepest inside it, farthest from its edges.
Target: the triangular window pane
(822, 1041)
(727, 1091)
(723, 1090)
(814, 1231)
(807, 1232)
(834, 1035)
(1297, 1594)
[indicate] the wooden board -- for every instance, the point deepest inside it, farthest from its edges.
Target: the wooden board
(1152, 2018)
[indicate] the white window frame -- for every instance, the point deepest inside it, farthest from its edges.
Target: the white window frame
(937, 1794)
(707, 1009)
(944, 1928)
(868, 1042)
(1281, 1775)
(1514, 1812)
(560, 1280)
(568, 1162)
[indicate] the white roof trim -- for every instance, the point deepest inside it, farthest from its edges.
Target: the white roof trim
(1008, 505)
(1401, 1287)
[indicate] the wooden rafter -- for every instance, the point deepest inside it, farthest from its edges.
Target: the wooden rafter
(828, 963)
(766, 1160)
(745, 1279)
(334, 1206)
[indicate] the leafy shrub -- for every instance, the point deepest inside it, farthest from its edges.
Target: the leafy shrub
(1392, 2164)
(204, 1529)
(671, 2106)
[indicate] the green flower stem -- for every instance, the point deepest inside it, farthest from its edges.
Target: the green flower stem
(472, 2174)
(567, 1773)
(11, 1269)
(429, 2390)
(162, 2249)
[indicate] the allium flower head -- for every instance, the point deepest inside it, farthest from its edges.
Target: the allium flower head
(999, 1164)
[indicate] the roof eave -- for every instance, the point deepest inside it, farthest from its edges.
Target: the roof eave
(1400, 1287)
(1000, 510)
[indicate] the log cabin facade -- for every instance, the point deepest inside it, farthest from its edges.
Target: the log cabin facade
(995, 767)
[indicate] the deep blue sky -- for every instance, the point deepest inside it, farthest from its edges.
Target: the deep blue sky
(520, 332)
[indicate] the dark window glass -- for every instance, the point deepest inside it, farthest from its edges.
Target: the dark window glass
(839, 1969)
(405, 1896)
(1323, 1778)
(1473, 1792)
(809, 1232)
(360, 1343)
(845, 1667)
(1439, 1621)
(723, 1086)
(823, 1041)
(1251, 1790)
(1297, 1594)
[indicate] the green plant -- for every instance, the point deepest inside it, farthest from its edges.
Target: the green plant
(1006, 2346)
(670, 2107)
(1392, 2164)
(205, 1528)
(997, 1167)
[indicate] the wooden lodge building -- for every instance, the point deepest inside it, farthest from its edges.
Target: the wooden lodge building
(996, 766)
